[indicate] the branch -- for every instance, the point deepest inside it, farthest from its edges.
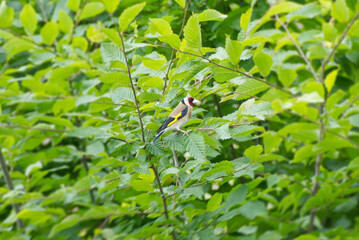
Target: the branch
(41, 6)
(162, 196)
(214, 63)
(337, 45)
(31, 41)
(318, 163)
(77, 19)
(115, 104)
(173, 51)
(132, 86)
(10, 185)
(32, 128)
(311, 69)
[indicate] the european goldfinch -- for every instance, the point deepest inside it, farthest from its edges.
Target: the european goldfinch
(178, 117)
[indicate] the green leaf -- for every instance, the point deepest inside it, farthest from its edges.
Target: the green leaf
(84, 132)
(182, 3)
(250, 87)
(34, 217)
(253, 152)
(158, 25)
(286, 76)
(317, 87)
(17, 45)
(236, 197)
(306, 237)
(56, 120)
(73, 5)
(192, 33)
(63, 106)
(307, 11)
(330, 80)
(330, 32)
(156, 148)
(113, 36)
(91, 9)
(6, 15)
(245, 19)
(129, 14)
(223, 132)
(110, 53)
(340, 11)
(148, 82)
(214, 202)
(111, 5)
(264, 63)
(122, 94)
(281, 7)
(234, 50)
(67, 222)
(224, 75)
(49, 32)
(172, 39)
(195, 145)
(168, 172)
(252, 209)
(65, 22)
(115, 77)
(28, 19)
(141, 185)
(211, 15)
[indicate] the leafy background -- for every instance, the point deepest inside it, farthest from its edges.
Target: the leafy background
(272, 153)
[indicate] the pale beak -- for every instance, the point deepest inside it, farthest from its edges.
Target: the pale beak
(195, 101)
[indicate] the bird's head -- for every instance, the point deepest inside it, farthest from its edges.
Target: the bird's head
(189, 101)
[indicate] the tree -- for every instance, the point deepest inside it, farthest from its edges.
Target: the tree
(271, 154)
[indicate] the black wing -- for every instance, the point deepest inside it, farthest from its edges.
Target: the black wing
(171, 120)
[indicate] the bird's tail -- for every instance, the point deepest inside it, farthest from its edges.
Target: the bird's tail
(157, 136)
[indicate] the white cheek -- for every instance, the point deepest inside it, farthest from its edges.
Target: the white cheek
(186, 102)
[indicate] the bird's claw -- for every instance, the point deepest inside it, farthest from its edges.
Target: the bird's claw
(184, 132)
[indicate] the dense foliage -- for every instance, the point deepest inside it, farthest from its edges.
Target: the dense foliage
(272, 152)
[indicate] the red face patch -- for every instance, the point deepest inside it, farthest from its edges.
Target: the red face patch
(190, 101)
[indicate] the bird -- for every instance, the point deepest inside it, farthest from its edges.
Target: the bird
(178, 117)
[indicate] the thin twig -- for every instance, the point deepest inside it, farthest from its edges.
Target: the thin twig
(10, 185)
(115, 104)
(221, 116)
(162, 196)
(77, 19)
(318, 163)
(31, 41)
(42, 10)
(132, 85)
(32, 128)
(214, 63)
(309, 64)
(173, 51)
(325, 61)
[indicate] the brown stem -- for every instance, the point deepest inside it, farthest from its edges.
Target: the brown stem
(162, 196)
(31, 41)
(173, 51)
(10, 185)
(81, 142)
(311, 69)
(41, 6)
(325, 61)
(214, 63)
(221, 115)
(318, 163)
(132, 86)
(77, 20)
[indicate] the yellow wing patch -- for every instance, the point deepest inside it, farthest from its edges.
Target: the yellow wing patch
(174, 120)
